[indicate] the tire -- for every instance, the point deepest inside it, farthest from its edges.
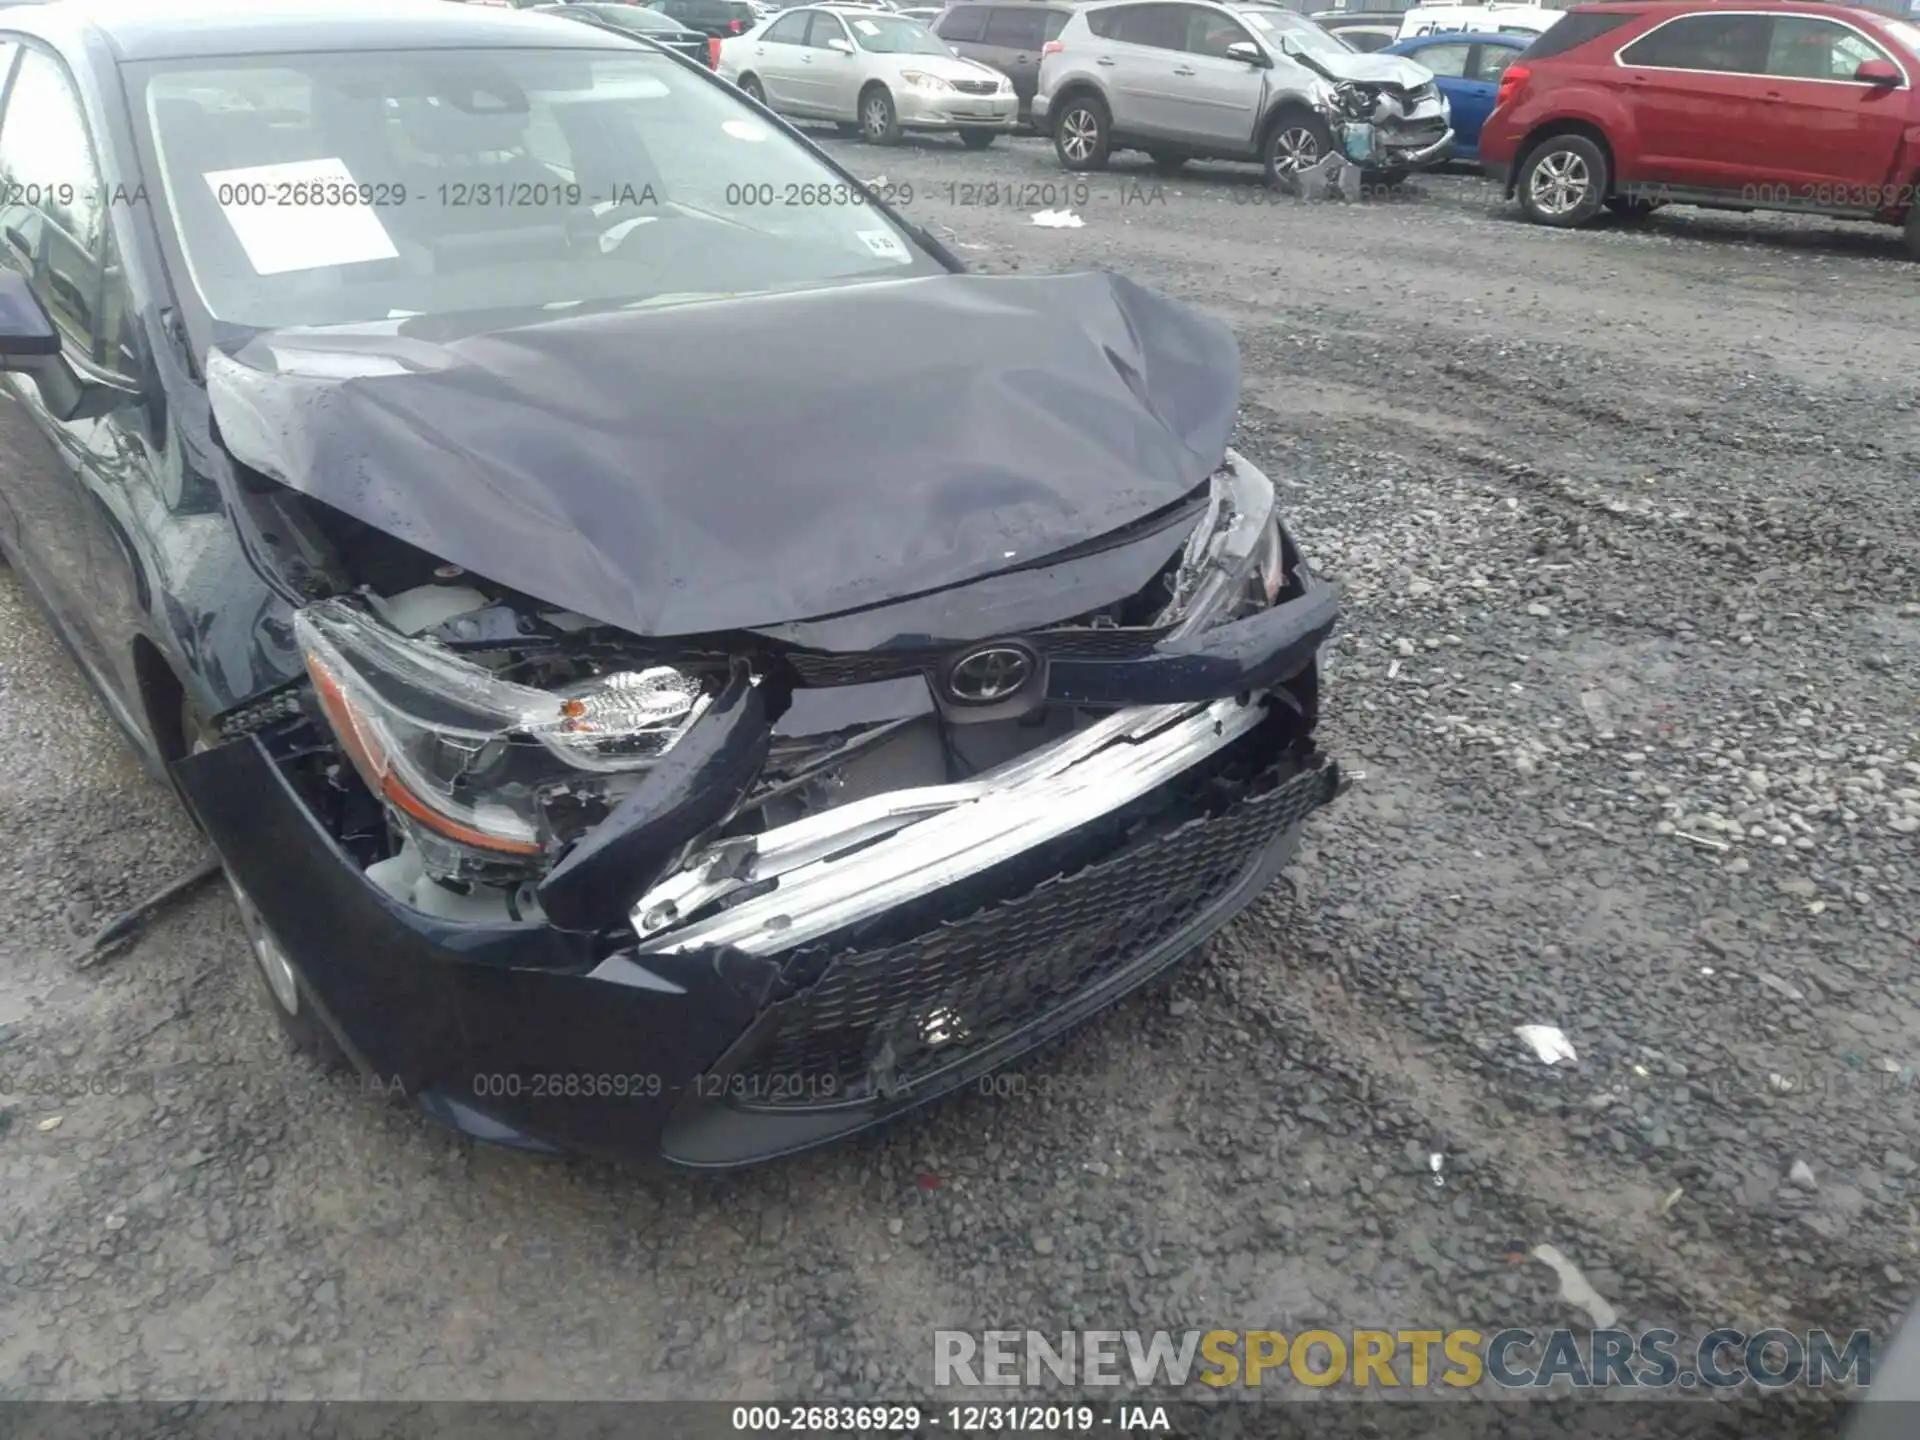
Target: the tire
(1629, 209)
(1912, 234)
(1167, 162)
(1563, 182)
(751, 87)
(879, 121)
(1083, 133)
(978, 139)
(1295, 141)
(281, 985)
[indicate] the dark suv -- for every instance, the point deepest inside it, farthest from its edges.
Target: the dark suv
(1007, 36)
(710, 17)
(1770, 106)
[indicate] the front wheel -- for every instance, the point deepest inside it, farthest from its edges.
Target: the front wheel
(285, 992)
(977, 139)
(751, 87)
(1912, 232)
(879, 123)
(1563, 182)
(1083, 134)
(1297, 142)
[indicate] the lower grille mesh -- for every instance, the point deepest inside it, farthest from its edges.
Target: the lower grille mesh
(878, 1021)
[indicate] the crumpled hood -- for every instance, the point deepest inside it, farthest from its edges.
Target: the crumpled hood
(1378, 69)
(719, 465)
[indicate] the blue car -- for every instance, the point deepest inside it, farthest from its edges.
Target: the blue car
(1468, 66)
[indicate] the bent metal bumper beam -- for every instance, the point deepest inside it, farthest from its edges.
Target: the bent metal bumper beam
(832, 869)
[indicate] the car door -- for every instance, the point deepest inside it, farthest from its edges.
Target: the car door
(1221, 95)
(831, 78)
(1473, 96)
(1450, 61)
(1139, 48)
(1693, 85)
(1825, 137)
(777, 56)
(59, 465)
(1011, 45)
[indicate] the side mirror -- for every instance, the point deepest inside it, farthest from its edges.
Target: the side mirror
(1878, 73)
(1247, 52)
(28, 340)
(845, 47)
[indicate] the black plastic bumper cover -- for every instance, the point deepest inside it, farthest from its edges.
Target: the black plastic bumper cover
(501, 1030)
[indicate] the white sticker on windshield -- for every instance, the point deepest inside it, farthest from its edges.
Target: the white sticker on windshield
(300, 216)
(751, 131)
(885, 244)
(866, 27)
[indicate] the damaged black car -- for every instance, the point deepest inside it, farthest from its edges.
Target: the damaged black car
(666, 674)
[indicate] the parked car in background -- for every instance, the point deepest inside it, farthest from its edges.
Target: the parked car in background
(925, 14)
(1467, 67)
(1225, 81)
(1363, 30)
(637, 21)
(719, 18)
(879, 74)
(1009, 36)
(1773, 106)
(1520, 17)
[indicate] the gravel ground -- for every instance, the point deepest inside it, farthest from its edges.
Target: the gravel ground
(1627, 523)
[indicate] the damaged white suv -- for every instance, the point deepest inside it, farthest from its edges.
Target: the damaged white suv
(1194, 80)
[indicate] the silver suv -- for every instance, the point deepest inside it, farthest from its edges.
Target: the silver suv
(1187, 79)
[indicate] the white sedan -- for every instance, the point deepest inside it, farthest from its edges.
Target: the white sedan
(868, 70)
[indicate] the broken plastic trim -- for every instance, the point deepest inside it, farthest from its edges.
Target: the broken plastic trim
(1231, 541)
(920, 840)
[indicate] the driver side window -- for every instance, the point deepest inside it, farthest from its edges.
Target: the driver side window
(1210, 33)
(53, 226)
(826, 28)
(789, 29)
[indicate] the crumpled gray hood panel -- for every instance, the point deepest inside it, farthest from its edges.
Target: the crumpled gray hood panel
(719, 465)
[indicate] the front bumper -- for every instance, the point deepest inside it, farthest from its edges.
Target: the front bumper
(946, 110)
(724, 1049)
(1421, 157)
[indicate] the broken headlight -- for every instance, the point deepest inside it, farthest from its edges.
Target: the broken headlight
(483, 773)
(1235, 561)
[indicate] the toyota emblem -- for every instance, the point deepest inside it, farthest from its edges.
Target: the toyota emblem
(990, 673)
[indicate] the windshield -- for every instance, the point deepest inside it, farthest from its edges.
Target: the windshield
(1274, 24)
(321, 189)
(887, 34)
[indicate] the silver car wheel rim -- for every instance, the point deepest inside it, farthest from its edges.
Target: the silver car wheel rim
(272, 960)
(1294, 149)
(1560, 183)
(1079, 133)
(877, 121)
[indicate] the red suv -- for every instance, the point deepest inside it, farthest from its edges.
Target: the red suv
(1754, 105)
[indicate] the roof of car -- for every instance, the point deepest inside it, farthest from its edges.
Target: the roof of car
(1469, 37)
(182, 29)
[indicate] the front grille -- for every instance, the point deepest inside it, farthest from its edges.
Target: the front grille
(821, 668)
(975, 87)
(877, 1022)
